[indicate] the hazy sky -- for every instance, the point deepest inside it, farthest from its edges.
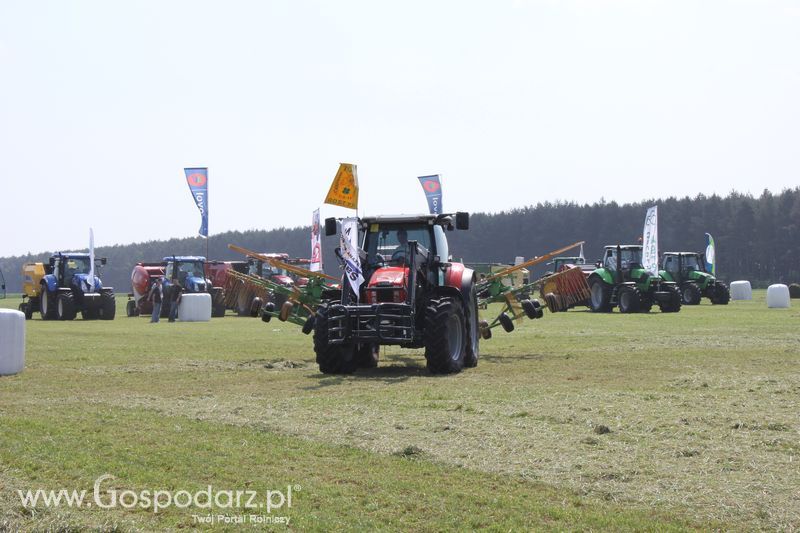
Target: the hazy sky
(103, 103)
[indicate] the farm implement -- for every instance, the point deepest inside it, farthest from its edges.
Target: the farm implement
(287, 302)
(560, 291)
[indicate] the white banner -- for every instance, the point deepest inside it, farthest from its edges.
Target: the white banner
(316, 244)
(349, 247)
(91, 260)
(650, 241)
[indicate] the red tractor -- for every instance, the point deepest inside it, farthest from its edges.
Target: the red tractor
(412, 296)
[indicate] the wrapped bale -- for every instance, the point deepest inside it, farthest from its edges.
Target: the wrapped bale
(794, 290)
(741, 290)
(12, 342)
(778, 296)
(195, 307)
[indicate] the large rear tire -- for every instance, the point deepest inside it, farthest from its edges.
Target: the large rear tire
(331, 358)
(47, 304)
(600, 299)
(690, 294)
(473, 331)
(445, 336)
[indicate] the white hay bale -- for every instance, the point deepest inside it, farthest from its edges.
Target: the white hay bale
(195, 307)
(741, 290)
(778, 296)
(12, 342)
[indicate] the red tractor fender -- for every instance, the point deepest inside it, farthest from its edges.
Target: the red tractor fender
(459, 277)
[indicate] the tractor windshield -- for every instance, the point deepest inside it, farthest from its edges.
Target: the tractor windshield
(690, 263)
(192, 269)
(76, 265)
(389, 242)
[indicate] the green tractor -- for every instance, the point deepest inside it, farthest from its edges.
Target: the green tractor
(620, 280)
(688, 271)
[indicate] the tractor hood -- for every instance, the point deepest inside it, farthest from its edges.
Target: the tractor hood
(389, 277)
(197, 284)
(81, 283)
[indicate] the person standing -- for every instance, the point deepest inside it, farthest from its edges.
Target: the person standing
(156, 295)
(174, 300)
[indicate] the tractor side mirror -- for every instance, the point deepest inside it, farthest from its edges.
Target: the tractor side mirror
(462, 220)
(330, 226)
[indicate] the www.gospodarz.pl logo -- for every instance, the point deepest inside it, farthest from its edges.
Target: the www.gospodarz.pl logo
(158, 500)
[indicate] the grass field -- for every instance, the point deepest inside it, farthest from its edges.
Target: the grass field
(576, 421)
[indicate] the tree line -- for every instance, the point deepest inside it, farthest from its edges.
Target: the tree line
(757, 238)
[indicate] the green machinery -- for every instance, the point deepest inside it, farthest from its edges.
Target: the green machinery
(493, 289)
(299, 301)
(688, 271)
(622, 281)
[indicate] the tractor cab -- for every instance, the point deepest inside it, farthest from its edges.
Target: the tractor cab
(262, 269)
(684, 266)
(625, 260)
(71, 270)
(188, 271)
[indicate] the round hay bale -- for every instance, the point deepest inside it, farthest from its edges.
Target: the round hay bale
(12, 342)
(741, 290)
(778, 296)
(195, 307)
(794, 290)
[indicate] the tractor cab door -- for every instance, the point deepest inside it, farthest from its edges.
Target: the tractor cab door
(610, 260)
(672, 266)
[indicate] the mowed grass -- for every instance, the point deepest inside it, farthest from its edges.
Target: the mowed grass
(575, 421)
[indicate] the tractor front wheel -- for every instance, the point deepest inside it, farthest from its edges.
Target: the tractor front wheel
(629, 300)
(445, 336)
(721, 295)
(331, 358)
(65, 307)
(600, 300)
(673, 305)
(690, 294)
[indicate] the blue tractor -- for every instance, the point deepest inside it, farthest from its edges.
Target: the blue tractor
(67, 289)
(190, 272)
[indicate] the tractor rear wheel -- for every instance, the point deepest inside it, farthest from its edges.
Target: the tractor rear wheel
(65, 307)
(690, 294)
(108, 306)
(331, 358)
(473, 330)
(367, 355)
(600, 300)
(673, 305)
(721, 295)
(629, 300)
(47, 304)
(445, 335)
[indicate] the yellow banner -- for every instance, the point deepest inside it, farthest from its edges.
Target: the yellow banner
(344, 189)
